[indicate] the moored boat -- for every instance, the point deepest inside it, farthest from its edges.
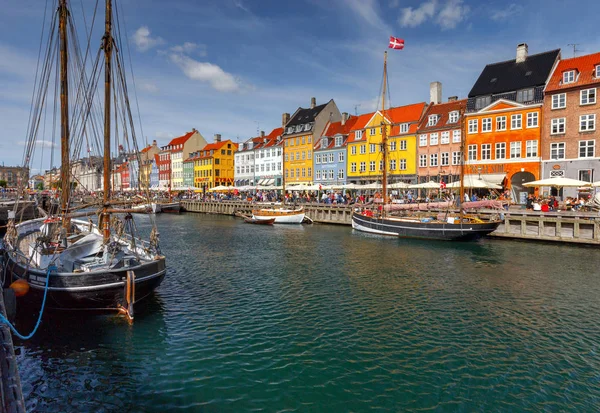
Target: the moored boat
(249, 220)
(170, 207)
(280, 215)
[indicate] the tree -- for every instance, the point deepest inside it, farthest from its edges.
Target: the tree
(40, 186)
(3, 183)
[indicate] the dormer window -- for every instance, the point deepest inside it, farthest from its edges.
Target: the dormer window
(299, 128)
(307, 127)
(453, 117)
(525, 95)
(338, 141)
(404, 128)
(324, 143)
(482, 101)
(290, 129)
(433, 119)
(597, 71)
(358, 134)
(568, 77)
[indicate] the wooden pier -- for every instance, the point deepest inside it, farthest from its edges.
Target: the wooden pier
(571, 227)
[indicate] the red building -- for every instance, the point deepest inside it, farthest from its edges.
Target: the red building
(164, 168)
(124, 171)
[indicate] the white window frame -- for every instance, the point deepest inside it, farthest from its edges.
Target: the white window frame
(393, 145)
(445, 159)
(392, 164)
(403, 164)
(556, 124)
(317, 159)
(456, 136)
(500, 123)
(353, 167)
(472, 153)
(433, 159)
(372, 132)
(597, 71)
(422, 161)
(589, 121)
(403, 144)
(486, 151)
(432, 120)
(363, 149)
(363, 166)
(353, 150)
(358, 134)
(500, 148)
(340, 156)
(473, 125)
(585, 145)
(423, 140)
(456, 155)
(433, 139)
(340, 174)
(453, 117)
(557, 147)
(532, 120)
(584, 96)
(568, 77)
(331, 157)
(515, 150)
(531, 149)
(445, 138)
(516, 120)
(486, 125)
(559, 101)
(371, 166)
(404, 128)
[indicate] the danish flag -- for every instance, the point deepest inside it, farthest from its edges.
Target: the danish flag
(442, 185)
(396, 43)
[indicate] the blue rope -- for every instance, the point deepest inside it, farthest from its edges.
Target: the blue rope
(39, 321)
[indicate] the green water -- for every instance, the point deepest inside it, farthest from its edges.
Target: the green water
(320, 318)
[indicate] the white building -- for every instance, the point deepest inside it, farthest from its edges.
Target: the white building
(268, 160)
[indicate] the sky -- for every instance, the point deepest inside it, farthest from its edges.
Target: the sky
(234, 66)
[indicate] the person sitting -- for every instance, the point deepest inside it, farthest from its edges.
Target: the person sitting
(545, 206)
(536, 205)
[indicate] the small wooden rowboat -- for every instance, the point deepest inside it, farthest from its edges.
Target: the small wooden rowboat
(260, 221)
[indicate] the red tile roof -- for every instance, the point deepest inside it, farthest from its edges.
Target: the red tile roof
(443, 111)
(336, 128)
(146, 149)
(272, 137)
(404, 114)
(585, 67)
(181, 139)
(359, 124)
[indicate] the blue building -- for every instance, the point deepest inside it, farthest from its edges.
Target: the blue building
(154, 173)
(330, 157)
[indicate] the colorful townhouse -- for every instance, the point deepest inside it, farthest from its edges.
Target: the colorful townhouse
(188, 171)
(570, 114)
(213, 164)
(244, 162)
(164, 169)
(439, 132)
(330, 152)
(299, 135)
(146, 158)
(268, 162)
(504, 120)
(153, 175)
(180, 150)
(365, 155)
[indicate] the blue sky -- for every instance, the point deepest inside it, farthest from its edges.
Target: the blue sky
(234, 66)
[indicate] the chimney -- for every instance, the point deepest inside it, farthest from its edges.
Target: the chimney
(313, 102)
(435, 92)
(285, 118)
(344, 117)
(262, 133)
(522, 50)
(452, 98)
(194, 130)
(154, 142)
(217, 137)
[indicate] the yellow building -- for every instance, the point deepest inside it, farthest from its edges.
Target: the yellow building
(299, 139)
(213, 165)
(365, 157)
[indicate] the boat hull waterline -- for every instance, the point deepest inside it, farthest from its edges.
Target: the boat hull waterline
(281, 216)
(398, 227)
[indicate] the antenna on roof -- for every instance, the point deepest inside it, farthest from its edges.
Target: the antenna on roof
(575, 49)
(356, 109)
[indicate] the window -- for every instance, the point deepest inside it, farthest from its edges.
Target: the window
(456, 136)
(340, 156)
(317, 159)
(587, 149)
(531, 149)
(501, 150)
(433, 159)
(525, 95)
(453, 117)
(432, 120)
(404, 128)
(392, 146)
(482, 102)
(569, 77)
(372, 166)
(291, 172)
(331, 158)
(586, 175)
(486, 124)
(403, 145)
(392, 165)
(372, 148)
(558, 126)
(303, 155)
(372, 131)
(317, 175)
(338, 140)
(422, 140)
(473, 126)
(486, 151)
(403, 164)
(532, 120)
(559, 101)
(433, 139)
(557, 150)
(353, 167)
(515, 150)
(587, 97)
(472, 153)
(598, 71)
(363, 149)
(516, 121)
(445, 161)
(456, 158)
(422, 161)
(445, 138)
(501, 123)
(353, 150)
(381, 165)
(587, 123)
(309, 169)
(297, 156)
(340, 174)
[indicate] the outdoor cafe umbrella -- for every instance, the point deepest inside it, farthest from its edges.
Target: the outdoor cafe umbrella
(558, 182)
(426, 185)
(474, 183)
(398, 185)
(220, 188)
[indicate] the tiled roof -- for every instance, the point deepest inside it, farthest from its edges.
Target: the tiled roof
(509, 75)
(181, 139)
(146, 149)
(272, 137)
(407, 113)
(336, 128)
(585, 67)
(359, 124)
(443, 111)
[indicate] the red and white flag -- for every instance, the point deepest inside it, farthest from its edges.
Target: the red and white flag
(442, 185)
(396, 43)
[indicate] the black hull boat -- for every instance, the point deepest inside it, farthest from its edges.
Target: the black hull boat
(468, 230)
(171, 207)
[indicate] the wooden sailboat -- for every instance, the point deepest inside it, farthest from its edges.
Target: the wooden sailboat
(78, 264)
(445, 227)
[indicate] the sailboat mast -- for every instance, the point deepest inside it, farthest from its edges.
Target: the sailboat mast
(65, 168)
(462, 162)
(384, 130)
(107, 46)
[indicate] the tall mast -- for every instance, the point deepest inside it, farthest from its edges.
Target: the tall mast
(282, 163)
(65, 168)
(384, 130)
(462, 161)
(107, 45)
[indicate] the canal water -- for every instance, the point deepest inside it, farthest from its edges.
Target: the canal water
(321, 318)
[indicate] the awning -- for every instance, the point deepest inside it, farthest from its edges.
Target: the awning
(269, 182)
(489, 178)
(261, 182)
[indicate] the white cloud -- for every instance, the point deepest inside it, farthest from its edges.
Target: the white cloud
(368, 10)
(503, 14)
(148, 87)
(41, 143)
(453, 13)
(240, 5)
(143, 41)
(206, 72)
(414, 17)
(189, 47)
